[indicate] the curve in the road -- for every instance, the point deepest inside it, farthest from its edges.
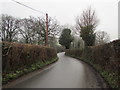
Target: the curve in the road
(66, 73)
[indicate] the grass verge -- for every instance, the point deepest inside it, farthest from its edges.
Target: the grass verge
(18, 73)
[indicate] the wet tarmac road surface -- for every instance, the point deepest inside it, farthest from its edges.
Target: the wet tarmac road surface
(67, 72)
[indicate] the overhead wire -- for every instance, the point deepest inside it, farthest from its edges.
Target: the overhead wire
(28, 7)
(46, 43)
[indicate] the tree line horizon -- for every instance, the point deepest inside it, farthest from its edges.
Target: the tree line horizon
(32, 31)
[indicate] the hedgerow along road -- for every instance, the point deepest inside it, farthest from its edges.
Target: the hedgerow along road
(67, 72)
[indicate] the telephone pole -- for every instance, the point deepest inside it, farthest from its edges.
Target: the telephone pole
(46, 39)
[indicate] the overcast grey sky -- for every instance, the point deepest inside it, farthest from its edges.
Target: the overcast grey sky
(65, 11)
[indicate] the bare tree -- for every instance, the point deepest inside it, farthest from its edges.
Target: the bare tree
(9, 27)
(102, 37)
(33, 30)
(88, 18)
(86, 25)
(53, 26)
(27, 30)
(53, 29)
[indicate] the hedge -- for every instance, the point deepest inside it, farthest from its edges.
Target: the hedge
(104, 58)
(74, 52)
(16, 56)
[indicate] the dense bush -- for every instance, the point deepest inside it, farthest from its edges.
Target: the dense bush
(17, 56)
(105, 58)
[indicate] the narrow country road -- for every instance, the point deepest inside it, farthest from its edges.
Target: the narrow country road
(66, 73)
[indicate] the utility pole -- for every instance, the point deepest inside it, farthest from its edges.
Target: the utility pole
(46, 41)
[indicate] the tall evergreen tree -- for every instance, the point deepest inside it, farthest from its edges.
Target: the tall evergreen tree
(66, 38)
